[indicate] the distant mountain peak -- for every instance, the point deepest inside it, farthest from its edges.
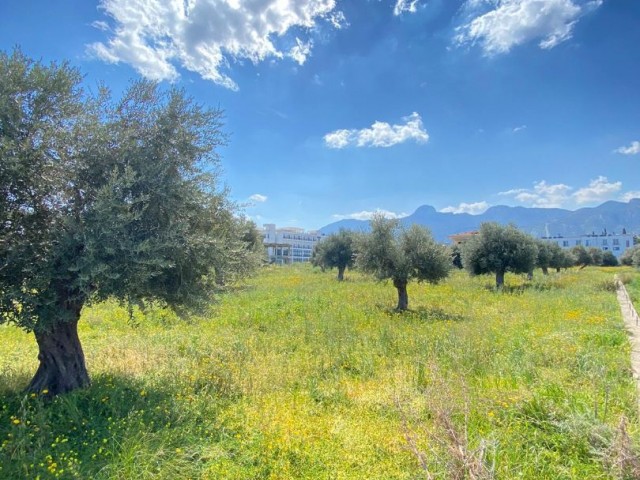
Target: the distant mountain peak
(612, 215)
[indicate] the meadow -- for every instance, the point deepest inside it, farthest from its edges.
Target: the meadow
(297, 376)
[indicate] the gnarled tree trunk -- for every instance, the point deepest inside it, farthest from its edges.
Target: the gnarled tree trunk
(499, 279)
(341, 273)
(403, 296)
(545, 270)
(62, 366)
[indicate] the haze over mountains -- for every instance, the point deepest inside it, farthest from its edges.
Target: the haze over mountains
(612, 216)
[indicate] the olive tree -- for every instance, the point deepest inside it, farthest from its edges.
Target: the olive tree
(627, 257)
(103, 198)
(596, 255)
(560, 258)
(545, 255)
(499, 249)
(582, 256)
(609, 260)
(402, 255)
(335, 251)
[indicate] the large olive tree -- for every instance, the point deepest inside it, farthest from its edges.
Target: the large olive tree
(402, 255)
(499, 249)
(103, 198)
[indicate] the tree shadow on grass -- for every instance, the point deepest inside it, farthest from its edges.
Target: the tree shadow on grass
(112, 429)
(425, 313)
(519, 289)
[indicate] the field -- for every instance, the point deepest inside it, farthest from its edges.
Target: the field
(295, 375)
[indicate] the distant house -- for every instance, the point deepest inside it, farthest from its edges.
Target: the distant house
(460, 238)
(607, 242)
(289, 244)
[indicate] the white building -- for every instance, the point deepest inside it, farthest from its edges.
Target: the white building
(289, 244)
(607, 242)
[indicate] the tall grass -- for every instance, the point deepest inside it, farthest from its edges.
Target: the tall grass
(296, 375)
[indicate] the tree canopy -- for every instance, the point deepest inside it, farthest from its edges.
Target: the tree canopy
(582, 256)
(104, 198)
(499, 249)
(401, 255)
(336, 251)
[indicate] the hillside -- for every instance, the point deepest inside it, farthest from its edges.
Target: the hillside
(612, 216)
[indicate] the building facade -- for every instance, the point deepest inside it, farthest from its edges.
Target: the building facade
(289, 244)
(607, 242)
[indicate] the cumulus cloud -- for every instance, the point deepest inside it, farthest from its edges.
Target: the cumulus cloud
(380, 134)
(204, 36)
(368, 215)
(632, 149)
(630, 195)
(559, 195)
(257, 197)
(405, 6)
(471, 208)
(541, 195)
(519, 128)
(598, 190)
(499, 25)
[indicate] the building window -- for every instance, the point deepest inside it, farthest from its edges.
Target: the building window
(586, 242)
(578, 242)
(565, 243)
(616, 241)
(604, 242)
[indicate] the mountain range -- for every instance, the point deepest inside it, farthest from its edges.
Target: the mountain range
(612, 216)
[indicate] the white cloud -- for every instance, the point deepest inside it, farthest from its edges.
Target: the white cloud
(471, 208)
(368, 215)
(630, 195)
(380, 134)
(301, 51)
(405, 6)
(204, 36)
(599, 189)
(560, 195)
(257, 197)
(541, 195)
(519, 128)
(509, 23)
(338, 20)
(632, 149)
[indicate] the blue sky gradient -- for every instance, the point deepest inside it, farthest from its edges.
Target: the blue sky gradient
(337, 109)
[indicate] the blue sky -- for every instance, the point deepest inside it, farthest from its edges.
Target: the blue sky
(337, 109)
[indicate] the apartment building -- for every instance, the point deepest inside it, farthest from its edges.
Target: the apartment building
(289, 244)
(607, 242)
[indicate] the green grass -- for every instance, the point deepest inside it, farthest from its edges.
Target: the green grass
(298, 376)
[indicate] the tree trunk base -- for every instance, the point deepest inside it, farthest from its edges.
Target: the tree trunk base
(403, 296)
(62, 367)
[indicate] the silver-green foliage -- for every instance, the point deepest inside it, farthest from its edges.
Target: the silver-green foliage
(499, 249)
(401, 255)
(106, 198)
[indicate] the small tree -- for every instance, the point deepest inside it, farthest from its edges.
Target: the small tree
(498, 249)
(456, 255)
(104, 199)
(545, 255)
(335, 251)
(627, 257)
(609, 260)
(596, 255)
(402, 255)
(582, 256)
(560, 258)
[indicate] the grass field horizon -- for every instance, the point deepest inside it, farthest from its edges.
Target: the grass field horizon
(296, 375)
